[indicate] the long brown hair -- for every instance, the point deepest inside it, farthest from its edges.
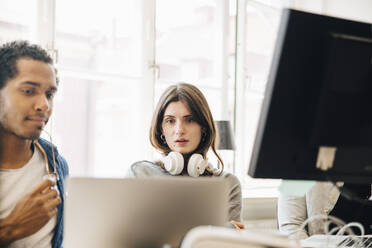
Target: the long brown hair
(199, 108)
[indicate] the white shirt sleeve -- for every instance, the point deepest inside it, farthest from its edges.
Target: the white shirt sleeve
(292, 212)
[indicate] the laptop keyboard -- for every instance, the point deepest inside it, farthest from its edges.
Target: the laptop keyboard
(356, 242)
(334, 241)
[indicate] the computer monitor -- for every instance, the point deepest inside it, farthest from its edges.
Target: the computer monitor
(318, 100)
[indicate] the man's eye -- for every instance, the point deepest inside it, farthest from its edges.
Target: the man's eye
(50, 95)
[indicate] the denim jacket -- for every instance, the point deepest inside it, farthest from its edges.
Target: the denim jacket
(62, 171)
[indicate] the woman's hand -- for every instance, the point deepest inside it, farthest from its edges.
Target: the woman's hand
(237, 225)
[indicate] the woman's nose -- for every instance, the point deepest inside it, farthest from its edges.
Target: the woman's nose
(180, 128)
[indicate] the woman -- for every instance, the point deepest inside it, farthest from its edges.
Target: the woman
(183, 130)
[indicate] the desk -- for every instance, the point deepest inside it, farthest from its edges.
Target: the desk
(220, 237)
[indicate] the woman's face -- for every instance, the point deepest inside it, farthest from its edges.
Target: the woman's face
(182, 133)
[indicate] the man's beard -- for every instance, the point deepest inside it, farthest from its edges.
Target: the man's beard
(4, 119)
(32, 136)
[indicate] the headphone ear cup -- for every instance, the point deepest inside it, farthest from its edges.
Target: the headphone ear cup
(173, 163)
(196, 165)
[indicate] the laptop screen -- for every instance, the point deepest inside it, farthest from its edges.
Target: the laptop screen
(140, 212)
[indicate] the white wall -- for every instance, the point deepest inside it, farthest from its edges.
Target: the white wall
(360, 10)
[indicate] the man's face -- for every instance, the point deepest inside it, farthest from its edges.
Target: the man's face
(26, 101)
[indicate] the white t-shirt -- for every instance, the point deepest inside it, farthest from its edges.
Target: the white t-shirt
(16, 183)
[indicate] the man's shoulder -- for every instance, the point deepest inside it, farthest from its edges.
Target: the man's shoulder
(47, 145)
(60, 161)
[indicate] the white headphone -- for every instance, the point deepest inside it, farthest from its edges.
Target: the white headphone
(174, 164)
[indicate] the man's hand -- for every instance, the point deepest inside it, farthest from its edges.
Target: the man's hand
(30, 214)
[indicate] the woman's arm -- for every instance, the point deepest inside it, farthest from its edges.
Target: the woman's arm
(235, 197)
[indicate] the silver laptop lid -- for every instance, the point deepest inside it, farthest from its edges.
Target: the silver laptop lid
(140, 212)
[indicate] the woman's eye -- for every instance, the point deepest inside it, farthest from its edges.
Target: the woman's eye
(170, 121)
(28, 91)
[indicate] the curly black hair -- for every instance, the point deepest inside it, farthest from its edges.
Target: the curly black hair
(12, 51)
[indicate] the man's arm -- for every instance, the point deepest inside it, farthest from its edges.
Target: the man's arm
(292, 212)
(30, 214)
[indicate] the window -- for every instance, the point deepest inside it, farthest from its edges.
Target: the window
(15, 22)
(100, 103)
(253, 64)
(116, 58)
(192, 45)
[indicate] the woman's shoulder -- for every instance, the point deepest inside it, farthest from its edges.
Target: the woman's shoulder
(231, 179)
(229, 176)
(145, 168)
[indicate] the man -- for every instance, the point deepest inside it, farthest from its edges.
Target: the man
(31, 208)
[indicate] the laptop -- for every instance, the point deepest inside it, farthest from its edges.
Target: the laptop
(336, 241)
(140, 212)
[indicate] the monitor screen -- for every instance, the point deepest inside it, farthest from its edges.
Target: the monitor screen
(316, 117)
